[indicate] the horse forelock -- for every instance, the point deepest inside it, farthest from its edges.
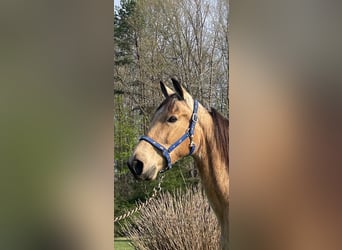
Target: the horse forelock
(168, 102)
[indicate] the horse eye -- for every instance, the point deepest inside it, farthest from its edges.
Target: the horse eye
(172, 119)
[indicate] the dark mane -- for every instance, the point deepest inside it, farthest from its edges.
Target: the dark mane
(221, 126)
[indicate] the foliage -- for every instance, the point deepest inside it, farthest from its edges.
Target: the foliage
(153, 40)
(186, 39)
(123, 32)
(183, 220)
(125, 133)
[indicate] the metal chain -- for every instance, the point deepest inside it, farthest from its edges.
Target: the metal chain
(156, 190)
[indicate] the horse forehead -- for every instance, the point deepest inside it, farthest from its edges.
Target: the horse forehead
(169, 108)
(174, 108)
(162, 111)
(165, 109)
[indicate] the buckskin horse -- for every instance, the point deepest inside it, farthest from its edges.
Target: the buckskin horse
(181, 126)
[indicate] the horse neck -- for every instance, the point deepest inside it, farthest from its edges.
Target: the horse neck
(213, 172)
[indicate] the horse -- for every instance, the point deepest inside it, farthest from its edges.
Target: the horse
(182, 126)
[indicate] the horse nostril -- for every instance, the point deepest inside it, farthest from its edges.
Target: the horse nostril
(137, 167)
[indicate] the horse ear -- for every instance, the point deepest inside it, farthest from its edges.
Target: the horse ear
(165, 90)
(178, 88)
(183, 93)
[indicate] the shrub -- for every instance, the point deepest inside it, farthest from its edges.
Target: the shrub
(183, 220)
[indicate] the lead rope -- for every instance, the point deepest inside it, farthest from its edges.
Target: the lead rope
(156, 190)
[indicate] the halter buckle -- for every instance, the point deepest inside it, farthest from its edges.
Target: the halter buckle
(194, 117)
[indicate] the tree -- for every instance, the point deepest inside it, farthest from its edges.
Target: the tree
(155, 40)
(123, 32)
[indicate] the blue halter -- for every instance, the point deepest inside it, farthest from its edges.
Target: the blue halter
(189, 133)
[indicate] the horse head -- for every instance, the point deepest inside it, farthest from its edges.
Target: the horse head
(172, 134)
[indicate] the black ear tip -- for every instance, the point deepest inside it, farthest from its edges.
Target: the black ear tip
(174, 80)
(178, 88)
(163, 89)
(162, 86)
(176, 83)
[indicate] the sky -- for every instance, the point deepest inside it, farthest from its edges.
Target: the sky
(116, 2)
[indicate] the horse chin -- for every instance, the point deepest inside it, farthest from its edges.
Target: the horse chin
(150, 174)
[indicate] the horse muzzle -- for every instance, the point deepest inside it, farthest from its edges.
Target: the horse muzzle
(137, 169)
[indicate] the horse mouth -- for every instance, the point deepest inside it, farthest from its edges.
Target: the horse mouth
(148, 175)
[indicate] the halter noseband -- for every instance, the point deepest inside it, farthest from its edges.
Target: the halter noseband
(189, 133)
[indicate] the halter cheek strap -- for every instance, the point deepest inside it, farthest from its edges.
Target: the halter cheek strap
(189, 133)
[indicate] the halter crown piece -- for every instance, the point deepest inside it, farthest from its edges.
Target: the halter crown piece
(189, 133)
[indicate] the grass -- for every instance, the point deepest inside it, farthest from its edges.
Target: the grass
(122, 244)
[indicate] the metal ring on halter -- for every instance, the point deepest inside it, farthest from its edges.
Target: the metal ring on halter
(194, 117)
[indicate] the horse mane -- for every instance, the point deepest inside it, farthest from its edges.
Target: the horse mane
(221, 126)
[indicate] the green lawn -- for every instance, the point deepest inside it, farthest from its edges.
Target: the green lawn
(122, 244)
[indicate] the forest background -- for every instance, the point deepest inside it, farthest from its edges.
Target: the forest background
(155, 40)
